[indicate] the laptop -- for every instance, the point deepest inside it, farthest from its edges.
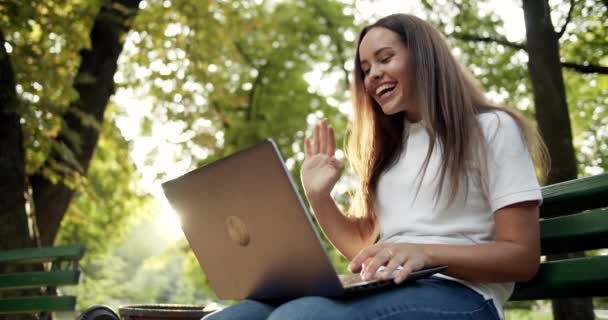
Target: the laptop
(251, 233)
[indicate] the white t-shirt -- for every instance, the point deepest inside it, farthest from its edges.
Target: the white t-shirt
(405, 218)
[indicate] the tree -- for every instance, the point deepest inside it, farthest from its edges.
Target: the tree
(59, 124)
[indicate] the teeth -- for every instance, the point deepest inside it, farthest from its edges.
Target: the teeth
(384, 87)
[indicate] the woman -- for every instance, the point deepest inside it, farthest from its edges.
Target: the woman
(446, 178)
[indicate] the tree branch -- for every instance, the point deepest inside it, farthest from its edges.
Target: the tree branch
(243, 54)
(261, 70)
(503, 41)
(213, 103)
(568, 17)
(589, 68)
(253, 90)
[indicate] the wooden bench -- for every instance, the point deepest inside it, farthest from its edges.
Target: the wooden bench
(53, 267)
(574, 219)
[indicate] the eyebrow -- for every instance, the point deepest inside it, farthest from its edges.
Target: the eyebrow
(376, 53)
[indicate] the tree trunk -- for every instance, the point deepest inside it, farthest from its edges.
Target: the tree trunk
(94, 84)
(553, 119)
(14, 230)
(548, 86)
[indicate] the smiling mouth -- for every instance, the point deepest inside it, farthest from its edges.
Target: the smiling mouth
(385, 89)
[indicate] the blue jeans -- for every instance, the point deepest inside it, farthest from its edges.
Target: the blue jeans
(429, 299)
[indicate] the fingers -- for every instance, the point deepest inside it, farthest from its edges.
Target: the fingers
(323, 136)
(375, 257)
(332, 142)
(408, 267)
(385, 261)
(392, 266)
(363, 256)
(308, 147)
(380, 259)
(323, 141)
(316, 145)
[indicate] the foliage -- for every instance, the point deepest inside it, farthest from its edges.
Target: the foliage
(233, 73)
(588, 102)
(100, 214)
(523, 314)
(480, 36)
(45, 39)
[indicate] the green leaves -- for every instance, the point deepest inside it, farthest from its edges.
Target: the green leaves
(239, 65)
(106, 204)
(501, 65)
(46, 37)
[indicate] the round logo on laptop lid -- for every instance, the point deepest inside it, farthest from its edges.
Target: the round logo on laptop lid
(237, 231)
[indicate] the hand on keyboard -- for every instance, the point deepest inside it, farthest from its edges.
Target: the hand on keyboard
(380, 272)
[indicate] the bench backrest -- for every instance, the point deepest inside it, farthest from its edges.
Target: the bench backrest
(62, 270)
(574, 219)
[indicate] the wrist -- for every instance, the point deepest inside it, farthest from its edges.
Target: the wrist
(430, 257)
(318, 198)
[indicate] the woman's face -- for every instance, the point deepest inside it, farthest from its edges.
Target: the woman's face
(384, 64)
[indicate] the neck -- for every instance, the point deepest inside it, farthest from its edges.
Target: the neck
(413, 116)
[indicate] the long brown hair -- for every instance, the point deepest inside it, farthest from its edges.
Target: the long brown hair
(449, 100)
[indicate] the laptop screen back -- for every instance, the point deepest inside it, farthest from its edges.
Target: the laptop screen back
(249, 230)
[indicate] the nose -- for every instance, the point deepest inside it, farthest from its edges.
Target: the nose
(375, 74)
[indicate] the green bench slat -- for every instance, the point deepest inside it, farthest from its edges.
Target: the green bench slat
(37, 304)
(39, 279)
(581, 277)
(39, 255)
(574, 196)
(577, 232)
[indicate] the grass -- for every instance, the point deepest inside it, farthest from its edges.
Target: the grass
(522, 314)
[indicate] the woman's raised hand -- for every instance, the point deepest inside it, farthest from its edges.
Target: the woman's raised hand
(320, 170)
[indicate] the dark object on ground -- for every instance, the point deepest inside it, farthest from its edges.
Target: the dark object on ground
(98, 312)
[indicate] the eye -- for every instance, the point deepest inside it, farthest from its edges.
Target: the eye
(386, 59)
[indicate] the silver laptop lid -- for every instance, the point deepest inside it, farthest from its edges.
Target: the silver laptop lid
(249, 229)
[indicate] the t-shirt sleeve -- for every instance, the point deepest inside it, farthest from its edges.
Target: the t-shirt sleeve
(511, 175)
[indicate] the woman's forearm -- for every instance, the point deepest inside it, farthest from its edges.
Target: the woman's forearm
(348, 235)
(490, 262)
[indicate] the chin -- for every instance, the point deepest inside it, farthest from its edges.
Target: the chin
(390, 110)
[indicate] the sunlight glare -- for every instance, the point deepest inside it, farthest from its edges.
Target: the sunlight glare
(168, 220)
